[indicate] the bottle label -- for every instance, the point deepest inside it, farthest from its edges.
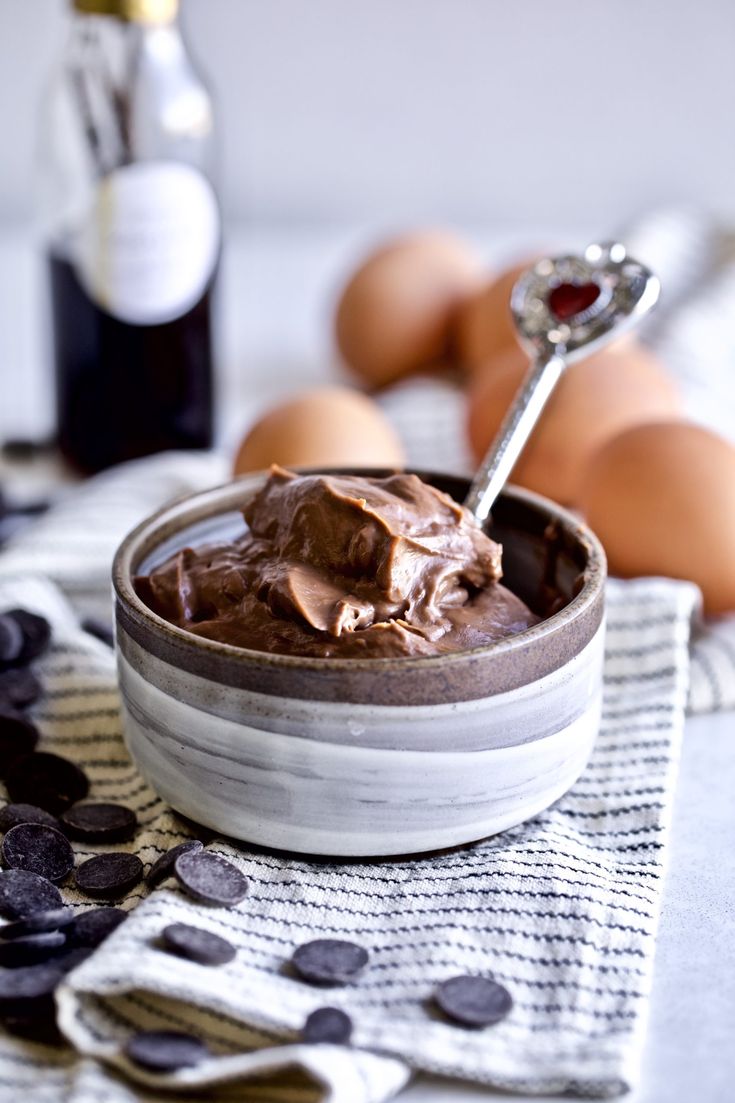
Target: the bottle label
(150, 242)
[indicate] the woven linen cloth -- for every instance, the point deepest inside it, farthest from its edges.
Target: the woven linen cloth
(562, 910)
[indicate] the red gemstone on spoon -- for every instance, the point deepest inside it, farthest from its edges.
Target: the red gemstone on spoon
(569, 299)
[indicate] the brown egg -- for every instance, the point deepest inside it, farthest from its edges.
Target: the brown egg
(594, 400)
(662, 500)
(326, 427)
(395, 315)
(484, 327)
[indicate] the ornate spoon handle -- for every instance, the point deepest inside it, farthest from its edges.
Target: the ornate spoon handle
(515, 430)
(564, 309)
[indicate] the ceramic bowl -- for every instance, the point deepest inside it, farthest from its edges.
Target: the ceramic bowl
(367, 757)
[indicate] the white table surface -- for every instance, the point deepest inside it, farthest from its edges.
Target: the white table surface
(277, 290)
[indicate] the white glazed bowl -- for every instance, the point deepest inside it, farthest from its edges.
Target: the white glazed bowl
(366, 757)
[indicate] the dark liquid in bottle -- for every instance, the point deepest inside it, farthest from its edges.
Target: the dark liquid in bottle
(122, 390)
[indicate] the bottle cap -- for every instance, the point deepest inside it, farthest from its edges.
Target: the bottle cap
(133, 11)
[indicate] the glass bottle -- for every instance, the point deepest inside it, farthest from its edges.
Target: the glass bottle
(132, 234)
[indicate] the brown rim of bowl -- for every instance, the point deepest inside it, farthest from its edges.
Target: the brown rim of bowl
(196, 653)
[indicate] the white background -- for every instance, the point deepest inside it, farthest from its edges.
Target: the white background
(566, 112)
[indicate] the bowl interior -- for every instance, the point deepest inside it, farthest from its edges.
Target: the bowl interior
(551, 561)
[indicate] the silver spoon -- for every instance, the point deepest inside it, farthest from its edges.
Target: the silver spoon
(564, 308)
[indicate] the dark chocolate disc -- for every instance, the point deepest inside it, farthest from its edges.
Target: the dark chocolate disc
(18, 739)
(36, 633)
(327, 1024)
(196, 944)
(92, 927)
(473, 1001)
(329, 961)
(71, 956)
(19, 687)
(99, 823)
(30, 949)
(40, 849)
(13, 814)
(100, 630)
(23, 992)
(165, 1050)
(23, 893)
(55, 919)
(163, 867)
(48, 780)
(210, 878)
(11, 639)
(109, 876)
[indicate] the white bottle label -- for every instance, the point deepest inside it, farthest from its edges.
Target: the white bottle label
(150, 242)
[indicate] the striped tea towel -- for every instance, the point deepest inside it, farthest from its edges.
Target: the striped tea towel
(563, 910)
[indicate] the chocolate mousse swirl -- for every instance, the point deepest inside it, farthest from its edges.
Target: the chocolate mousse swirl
(343, 566)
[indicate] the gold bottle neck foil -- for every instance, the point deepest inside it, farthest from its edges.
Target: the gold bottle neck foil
(132, 11)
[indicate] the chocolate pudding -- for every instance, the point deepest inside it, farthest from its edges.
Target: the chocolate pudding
(343, 566)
